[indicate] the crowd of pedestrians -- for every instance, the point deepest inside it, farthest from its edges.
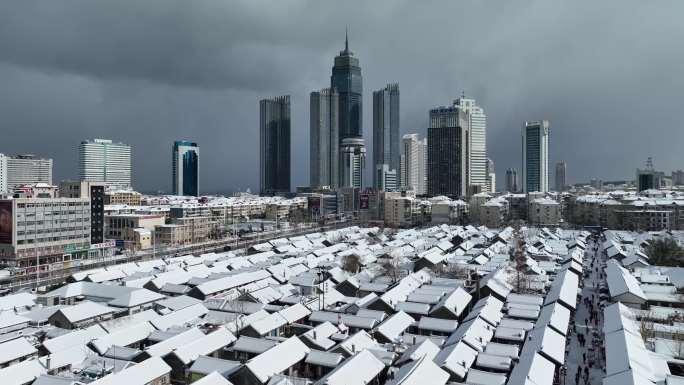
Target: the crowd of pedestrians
(586, 330)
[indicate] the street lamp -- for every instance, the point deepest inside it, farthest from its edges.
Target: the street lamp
(321, 277)
(564, 372)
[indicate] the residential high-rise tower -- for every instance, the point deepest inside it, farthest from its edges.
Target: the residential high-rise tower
(413, 164)
(274, 145)
(185, 168)
(535, 156)
(386, 158)
(491, 176)
(477, 143)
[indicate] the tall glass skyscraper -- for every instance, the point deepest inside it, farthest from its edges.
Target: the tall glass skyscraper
(347, 81)
(185, 160)
(561, 182)
(448, 152)
(535, 150)
(324, 151)
(386, 156)
(274, 145)
(512, 180)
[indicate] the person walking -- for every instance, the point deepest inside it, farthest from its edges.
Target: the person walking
(578, 375)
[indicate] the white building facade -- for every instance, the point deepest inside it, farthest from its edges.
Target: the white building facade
(51, 230)
(353, 154)
(101, 160)
(27, 170)
(477, 151)
(3, 174)
(413, 167)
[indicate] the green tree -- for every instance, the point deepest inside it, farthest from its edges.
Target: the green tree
(665, 252)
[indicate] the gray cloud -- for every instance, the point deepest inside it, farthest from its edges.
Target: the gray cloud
(148, 72)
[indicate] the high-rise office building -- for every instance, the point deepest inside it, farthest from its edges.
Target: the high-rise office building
(386, 156)
(387, 179)
(512, 180)
(3, 174)
(353, 158)
(274, 145)
(649, 178)
(535, 156)
(346, 80)
(491, 176)
(26, 170)
(413, 164)
(324, 142)
(447, 152)
(101, 160)
(561, 183)
(185, 168)
(678, 178)
(477, 143)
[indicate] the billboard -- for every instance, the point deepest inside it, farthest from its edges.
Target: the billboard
(6, 222)
(364, 201)
(314, 204)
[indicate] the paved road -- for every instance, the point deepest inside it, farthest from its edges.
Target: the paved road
(592, 348)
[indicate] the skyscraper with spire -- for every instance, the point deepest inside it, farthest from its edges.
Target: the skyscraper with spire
(346, 80)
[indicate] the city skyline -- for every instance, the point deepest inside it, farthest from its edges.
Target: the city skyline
(73, 96)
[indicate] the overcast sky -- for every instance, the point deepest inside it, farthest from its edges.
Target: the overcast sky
(608, 75)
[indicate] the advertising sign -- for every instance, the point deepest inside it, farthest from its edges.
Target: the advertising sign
(103, 245)
(314, 204)
(364, 201)
(6, 222)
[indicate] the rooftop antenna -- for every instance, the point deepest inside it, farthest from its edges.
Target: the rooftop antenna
(649, 164)
(346, 38)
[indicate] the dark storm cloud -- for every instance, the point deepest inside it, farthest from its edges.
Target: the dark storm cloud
(606, 74)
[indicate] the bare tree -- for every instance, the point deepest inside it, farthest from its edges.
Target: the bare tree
(392, 270)
(519, 280)
(237, 306)
(646, 328)
(351, 263)
(678, 344)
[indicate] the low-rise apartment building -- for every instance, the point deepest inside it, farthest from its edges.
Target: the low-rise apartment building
(122, 228)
